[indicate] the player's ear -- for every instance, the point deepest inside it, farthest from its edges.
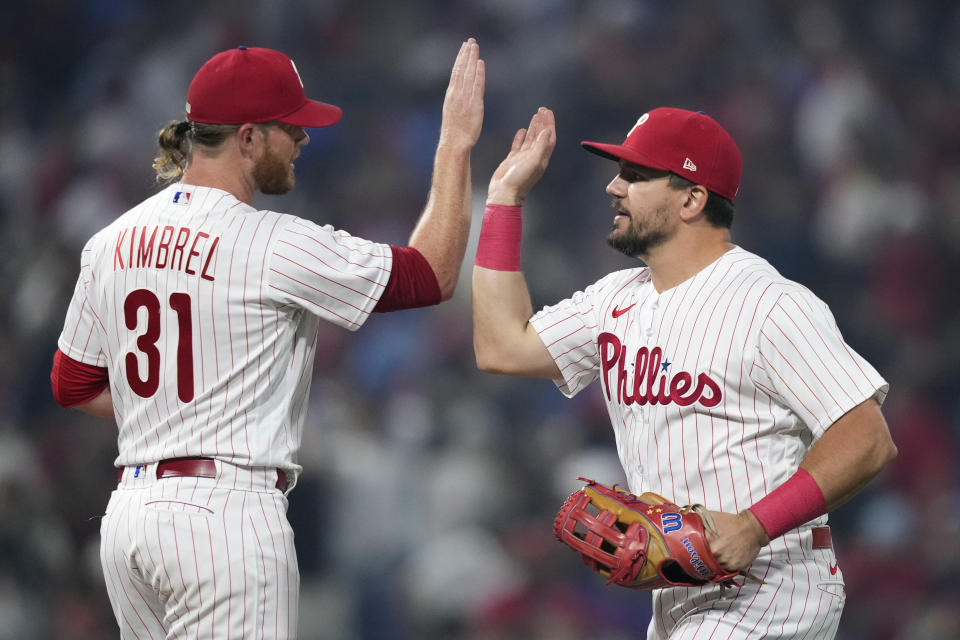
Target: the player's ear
(247, 136)
(694, 201)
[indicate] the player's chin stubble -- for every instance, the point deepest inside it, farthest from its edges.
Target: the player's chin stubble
(634, 241)
(273, 175)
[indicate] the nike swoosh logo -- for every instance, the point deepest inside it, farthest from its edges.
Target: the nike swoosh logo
(833, 569)
(619, 312)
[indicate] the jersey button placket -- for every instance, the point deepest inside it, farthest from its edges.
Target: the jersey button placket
(650, 318)
(635, 414)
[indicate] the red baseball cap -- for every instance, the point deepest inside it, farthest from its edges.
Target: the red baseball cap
(688, 143)
(251, 84)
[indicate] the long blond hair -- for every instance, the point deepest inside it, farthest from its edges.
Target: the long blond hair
(176, 141)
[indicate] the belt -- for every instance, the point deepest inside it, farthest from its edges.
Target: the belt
(822, 538)
(197, 468)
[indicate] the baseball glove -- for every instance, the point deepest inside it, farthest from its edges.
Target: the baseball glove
(641, 542)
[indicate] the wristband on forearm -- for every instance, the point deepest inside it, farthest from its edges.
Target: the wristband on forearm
(795, 502)
(500, 237)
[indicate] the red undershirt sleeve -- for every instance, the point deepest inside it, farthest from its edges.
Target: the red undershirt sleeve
(412, 282)
(74, 382)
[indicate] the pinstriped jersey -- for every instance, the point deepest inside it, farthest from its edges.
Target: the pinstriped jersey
(717, 387)
(205, 312)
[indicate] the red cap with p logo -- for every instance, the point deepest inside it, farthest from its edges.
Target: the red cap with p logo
(688, 143)
(252, 84)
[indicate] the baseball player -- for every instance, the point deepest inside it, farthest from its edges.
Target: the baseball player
(194, 324)
(727, 384)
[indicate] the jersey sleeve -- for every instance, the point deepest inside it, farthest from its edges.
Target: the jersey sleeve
(569, 331)
(82, 329)
(330, 273)
(74, 382)
(412, 282)
(803, 360)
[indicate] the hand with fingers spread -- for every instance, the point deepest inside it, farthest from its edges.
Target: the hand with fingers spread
(528, 159)
(463, 103)
(441, 233)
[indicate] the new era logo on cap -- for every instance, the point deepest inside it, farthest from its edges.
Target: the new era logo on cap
(690, 144)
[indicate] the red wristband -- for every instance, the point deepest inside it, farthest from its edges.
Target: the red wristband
(795, 502)
(500, 238)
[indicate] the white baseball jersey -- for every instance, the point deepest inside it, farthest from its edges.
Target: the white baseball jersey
(716, 389)
(205, 311)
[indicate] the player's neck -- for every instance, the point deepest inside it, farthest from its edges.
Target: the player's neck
(205, 172)
(683, 257)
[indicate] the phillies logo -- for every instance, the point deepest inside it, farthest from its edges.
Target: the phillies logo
(648, 385)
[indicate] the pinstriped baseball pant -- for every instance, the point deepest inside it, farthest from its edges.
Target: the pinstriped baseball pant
(200, 557)
(801, 599)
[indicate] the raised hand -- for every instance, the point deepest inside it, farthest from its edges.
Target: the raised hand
(528, 159)
(463, 103)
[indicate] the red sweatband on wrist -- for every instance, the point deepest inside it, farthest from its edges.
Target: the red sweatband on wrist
(500, 238)
(795, 502)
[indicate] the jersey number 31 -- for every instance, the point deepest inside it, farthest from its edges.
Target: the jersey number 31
(147, 343)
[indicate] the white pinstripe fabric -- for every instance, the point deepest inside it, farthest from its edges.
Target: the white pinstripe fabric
(197, 558)
(274, 277)
(205, 312)
(800, 600)
(715, 388)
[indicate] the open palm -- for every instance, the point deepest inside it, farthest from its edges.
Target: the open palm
(527, 160)
(463, 101)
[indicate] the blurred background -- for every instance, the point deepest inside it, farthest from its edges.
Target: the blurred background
(429, 491)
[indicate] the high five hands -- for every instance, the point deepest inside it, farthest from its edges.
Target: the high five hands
(528, 159)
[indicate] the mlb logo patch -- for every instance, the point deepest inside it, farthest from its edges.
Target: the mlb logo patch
(182, 197)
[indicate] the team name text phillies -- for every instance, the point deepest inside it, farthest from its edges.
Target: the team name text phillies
(646, 369)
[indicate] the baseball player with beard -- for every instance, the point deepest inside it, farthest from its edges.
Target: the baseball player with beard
(194, 323)
(727, 384)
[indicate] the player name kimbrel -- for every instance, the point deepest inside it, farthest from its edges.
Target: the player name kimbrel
(139, 248)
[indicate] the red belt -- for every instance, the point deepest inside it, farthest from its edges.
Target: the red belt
(822, 538)
(198, 468)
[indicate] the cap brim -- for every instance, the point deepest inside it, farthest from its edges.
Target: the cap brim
(619, 152)
(314, 114)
